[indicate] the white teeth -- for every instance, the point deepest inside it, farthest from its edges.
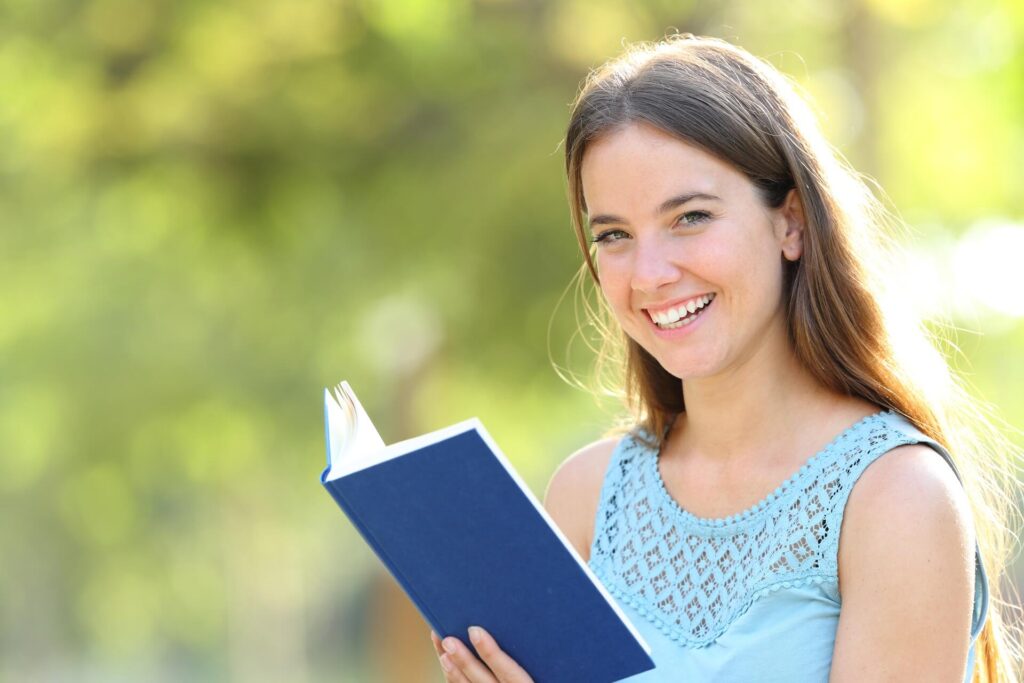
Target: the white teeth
(680, 323)
(670, 316)
(677, 317)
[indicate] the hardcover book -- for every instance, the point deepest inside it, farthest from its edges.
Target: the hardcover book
(468, 542)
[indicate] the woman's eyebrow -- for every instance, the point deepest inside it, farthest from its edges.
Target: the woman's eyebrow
(667, 205)
(681, 199)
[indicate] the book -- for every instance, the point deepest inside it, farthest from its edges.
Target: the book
(468, 542)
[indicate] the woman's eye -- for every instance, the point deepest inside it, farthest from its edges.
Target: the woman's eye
(693, 217)
(607, 236)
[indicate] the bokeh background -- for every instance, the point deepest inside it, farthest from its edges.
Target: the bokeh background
(209, 210)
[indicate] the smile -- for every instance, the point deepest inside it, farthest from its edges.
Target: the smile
(683, 314)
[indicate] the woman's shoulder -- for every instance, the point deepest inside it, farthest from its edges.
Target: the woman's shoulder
(906, 561)
(909, 496)
(574, 491)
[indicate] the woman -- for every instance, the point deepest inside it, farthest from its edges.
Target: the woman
(778, 407)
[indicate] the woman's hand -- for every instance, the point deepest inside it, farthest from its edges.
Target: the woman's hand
(461, 665)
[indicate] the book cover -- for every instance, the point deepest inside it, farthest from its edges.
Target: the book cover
(468, 542)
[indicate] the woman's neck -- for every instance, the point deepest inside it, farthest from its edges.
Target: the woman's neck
(764, 400)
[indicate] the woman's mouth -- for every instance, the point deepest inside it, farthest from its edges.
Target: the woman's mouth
(682, 315)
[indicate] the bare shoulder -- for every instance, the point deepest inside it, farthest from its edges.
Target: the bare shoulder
(907, 490)
(906, 486)
(574, 492)
(906, 563)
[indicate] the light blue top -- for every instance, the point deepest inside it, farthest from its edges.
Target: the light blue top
(750, 597)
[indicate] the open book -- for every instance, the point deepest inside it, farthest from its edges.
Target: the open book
(469, 544)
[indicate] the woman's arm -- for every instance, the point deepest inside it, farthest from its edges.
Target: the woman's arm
(906, 568)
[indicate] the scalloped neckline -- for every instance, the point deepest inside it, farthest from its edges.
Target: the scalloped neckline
(668, 499)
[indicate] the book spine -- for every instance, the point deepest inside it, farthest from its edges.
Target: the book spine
(367, 535)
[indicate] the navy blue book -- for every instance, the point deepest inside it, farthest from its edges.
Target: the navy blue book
(469, 544)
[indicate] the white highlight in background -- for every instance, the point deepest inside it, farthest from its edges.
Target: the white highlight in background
(988, 264)
(977, 278)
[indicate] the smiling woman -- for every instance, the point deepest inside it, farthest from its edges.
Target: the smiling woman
(660, 257)
(792, 502)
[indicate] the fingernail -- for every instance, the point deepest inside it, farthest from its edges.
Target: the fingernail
(449, 645)
(446, 663)
(475, 634)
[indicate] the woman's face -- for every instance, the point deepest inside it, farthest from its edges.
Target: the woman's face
(679, 230)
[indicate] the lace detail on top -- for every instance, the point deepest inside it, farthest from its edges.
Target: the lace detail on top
(692, 576)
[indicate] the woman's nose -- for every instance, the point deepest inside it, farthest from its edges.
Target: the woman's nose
(652, 266)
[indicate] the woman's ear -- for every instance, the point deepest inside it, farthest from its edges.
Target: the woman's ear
(792, 228)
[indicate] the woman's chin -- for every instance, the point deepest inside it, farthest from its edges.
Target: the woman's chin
(686, 369)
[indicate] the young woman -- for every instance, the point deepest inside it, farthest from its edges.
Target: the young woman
(786, 506)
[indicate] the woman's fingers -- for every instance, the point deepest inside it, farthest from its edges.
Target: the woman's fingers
(452, 673)
(503, 666)
(464, 667)
(466, 662)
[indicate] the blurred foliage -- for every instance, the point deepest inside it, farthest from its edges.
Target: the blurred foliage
(211, 209)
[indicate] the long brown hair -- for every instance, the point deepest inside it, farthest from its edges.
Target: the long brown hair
(843, 324)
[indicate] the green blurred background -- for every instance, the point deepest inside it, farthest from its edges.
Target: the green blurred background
(211, 210)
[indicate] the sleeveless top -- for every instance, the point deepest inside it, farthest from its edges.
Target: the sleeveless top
(750, 597)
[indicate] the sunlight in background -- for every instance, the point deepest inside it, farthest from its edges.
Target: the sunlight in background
(988, 263)
(977, 278)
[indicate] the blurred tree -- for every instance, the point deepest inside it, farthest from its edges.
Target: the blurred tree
(212, 209)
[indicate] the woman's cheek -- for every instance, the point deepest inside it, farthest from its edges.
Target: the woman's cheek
(615, 289)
